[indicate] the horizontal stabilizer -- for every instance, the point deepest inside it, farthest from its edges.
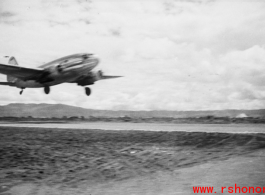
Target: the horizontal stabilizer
(7, 83)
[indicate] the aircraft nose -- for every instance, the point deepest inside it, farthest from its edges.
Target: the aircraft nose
(95, 60)
(91, 62)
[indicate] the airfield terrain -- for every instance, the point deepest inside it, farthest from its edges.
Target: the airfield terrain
(68, 161)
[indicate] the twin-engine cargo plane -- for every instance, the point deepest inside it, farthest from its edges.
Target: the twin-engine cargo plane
(75, 68)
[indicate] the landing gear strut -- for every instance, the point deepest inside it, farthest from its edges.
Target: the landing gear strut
(88, 91)
(47, 89)
(21, 91)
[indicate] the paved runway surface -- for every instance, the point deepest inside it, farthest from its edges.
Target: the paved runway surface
(222, 128)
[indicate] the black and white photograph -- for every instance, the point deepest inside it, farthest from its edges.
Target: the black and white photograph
(132, 97)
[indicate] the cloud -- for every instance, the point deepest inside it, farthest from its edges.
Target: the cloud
(6, 14)
(174, 55)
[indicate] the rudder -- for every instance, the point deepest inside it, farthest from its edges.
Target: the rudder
(12, 61)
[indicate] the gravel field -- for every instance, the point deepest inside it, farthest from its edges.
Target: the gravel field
(69, 161)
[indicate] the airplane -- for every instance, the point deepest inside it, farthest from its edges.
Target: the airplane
(76, 68)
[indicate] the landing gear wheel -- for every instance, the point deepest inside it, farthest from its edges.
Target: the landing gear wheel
(21, 91)
(47, 89)
(88, 91)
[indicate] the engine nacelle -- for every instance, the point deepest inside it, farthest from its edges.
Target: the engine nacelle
(99, 75)
(87, 80)
(50, 73)
(92, 77)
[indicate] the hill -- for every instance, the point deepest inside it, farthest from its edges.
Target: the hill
(61, 110)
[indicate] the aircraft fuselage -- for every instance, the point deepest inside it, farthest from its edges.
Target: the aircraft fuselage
(66, 69)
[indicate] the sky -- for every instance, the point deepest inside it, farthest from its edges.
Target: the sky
(172, 54)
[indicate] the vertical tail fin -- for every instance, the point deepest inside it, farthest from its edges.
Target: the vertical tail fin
(12, 61)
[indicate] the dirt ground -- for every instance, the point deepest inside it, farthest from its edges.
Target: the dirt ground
(68, 161)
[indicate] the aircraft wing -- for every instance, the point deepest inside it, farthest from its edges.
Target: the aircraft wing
(20, 72)
(109, 77)
(101, 76)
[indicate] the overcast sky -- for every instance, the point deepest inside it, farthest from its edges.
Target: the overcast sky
(173, 54)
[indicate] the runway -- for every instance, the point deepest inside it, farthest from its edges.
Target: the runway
(221, 128)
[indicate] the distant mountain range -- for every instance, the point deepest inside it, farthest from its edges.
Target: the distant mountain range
(61, 110)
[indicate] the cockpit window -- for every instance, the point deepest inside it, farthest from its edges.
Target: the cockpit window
(86, 56)
(68, 60)
(73, 60)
